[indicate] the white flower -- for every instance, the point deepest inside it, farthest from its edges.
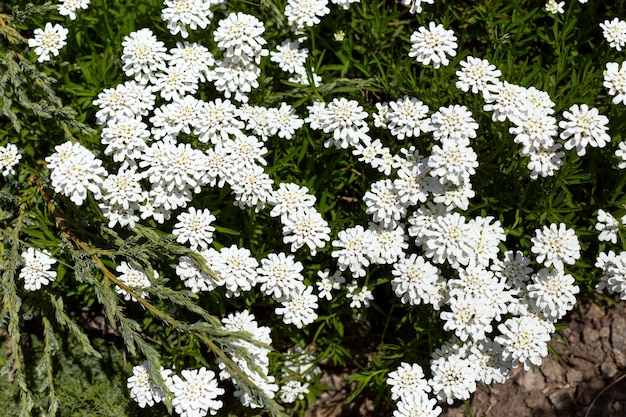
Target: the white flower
(422, 220)
(489, 235)
(280, 275)
(450, 238)
(244, 152)
(413, 184)
(289, 57)
(194, 227)
(504, 100)
(252, 187)
(533, 127)
(556, 245)
(176, 172)
(421, 406)
(239, 36)
(453, 196)
(75, 170)
(345, 4)
(345, 119)
(287, 121)
(383, 204)
(128, 100)
(305, 226)
(621, 153)
(453, 123)
(544, 160)
(553, 7)
(407, 117)
(407, 382)
(288, 198)
(328, 282)
(416, 5)
(48, 41)
(260, 120)
(123, 188)
(298, 308)
(524, 339)
(143, 55)
(303, 13)
(614, 272)
(389, 243)
(477, 75)
(36, 271)
(235, 78)
(584, 126)
(433, 45)
(69, 7)
(359, 296)
(193, 57)
(354, 246)
(216, 121)
(135, 279)
(614, 32)
(470, 317)
(453, 162)
(175, 82)
(607, 225)
(454, 378)
(486, 356)
(553, 292)
(513, 268)
(125, 138)
(9, 157)
(196, 278)
(236, 267)
(195, 393)
(615, 81)
(141, 387)
(293, 390)
(180, 13)
(414, 279)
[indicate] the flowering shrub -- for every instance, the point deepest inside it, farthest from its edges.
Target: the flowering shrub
(233, 197)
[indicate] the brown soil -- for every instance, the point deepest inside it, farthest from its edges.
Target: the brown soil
(585, 376)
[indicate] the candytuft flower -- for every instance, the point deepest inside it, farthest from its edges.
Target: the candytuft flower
(48, 41)
(433, 45)
(36, 270)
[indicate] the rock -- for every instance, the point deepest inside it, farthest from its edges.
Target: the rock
(587, 368)
(594, 313)
(620, 357)
(531, 381)
(609, 370)
(552, 370)
(604, 332)
(590, 335)
(537, 401)
(562, 399)
(618, 332)
(574, 376)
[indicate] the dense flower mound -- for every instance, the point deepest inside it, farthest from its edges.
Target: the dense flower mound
(299, 206)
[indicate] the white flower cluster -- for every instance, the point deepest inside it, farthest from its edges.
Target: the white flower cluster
(36, 271)
(244, 321)
(531, 112)
(135, 279)
(613, 267)
(9, 157)
(194, 391)
(500, 311)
